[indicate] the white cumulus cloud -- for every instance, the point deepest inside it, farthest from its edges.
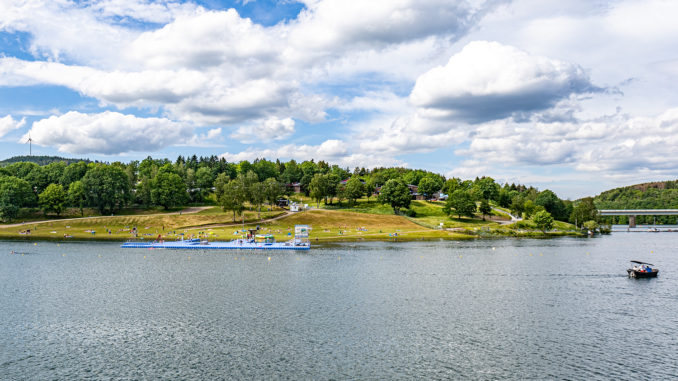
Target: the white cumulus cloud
(107, 133)
(615, 146)
(270, 129)
(7, 124)
(488, 80)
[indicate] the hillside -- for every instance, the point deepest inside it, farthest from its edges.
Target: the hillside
(655, 195)
(40, 160)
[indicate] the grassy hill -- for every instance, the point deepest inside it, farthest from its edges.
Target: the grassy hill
(40, 160)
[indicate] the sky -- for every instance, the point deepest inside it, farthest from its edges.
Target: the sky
(575, 96)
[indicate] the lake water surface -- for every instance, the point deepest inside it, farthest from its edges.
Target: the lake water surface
(485, 309)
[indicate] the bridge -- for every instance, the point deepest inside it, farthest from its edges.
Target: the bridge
(632, 213)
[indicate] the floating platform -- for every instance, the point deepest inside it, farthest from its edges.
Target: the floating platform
(196, 244)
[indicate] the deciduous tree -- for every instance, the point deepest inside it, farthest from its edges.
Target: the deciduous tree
(354, 190)
(462, 203)
(107, 188)
(232, 196)
(543, 220)
(485, 209)
(167, 188)
(14, 194)
(77, 195)
(395, 193)
(52, 199)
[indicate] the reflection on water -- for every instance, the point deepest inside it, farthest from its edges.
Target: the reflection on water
(490, 309)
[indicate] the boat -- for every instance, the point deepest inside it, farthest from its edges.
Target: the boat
(259, 242)
(642, 270)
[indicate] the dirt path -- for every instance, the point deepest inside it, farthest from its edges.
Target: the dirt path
(505, 222)
(189, 210)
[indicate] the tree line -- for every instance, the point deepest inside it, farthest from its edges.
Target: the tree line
(108, 187)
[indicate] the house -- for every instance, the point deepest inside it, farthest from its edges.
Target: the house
(295, 187)
(413, 192)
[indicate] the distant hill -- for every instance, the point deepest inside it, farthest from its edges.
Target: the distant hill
(40, 160)
(656, 195)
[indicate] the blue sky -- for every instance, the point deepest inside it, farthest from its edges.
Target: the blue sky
(576, 96)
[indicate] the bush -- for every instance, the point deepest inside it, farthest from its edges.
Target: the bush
(410, 213)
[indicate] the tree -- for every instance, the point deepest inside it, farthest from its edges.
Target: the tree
(143, 192)
(552, 204)
(485, 209)
(77, 195)
(107, 187)
(428, 186)
(518, 205)
(530, 208)
(191, 186)
(251, 181)
(52, 199)
(54, 171)
(167, 188)
(504, 199)
(369, 187)
(265, 169)
(292, 173)
(232, 196)
(413, 177)
(354, 189)
(451, 185)
(21, 169)
(462, 203)
(333, 187)
(219, 183)
(543, 220)
(486, 188)
(272, 190)
(585, 210)
(38, 178)
(257, 196)
(591, 225)
(204, 181)
(319, 187)
(14, 194)
(396, 194)
(8, 209)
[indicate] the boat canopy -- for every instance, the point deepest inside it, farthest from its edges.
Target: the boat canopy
(642, 263)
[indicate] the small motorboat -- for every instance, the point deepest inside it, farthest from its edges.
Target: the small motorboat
(642, 270)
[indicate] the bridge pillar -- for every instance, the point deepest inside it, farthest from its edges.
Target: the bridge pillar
(632, 221)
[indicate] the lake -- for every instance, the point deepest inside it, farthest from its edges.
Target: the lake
(484, 309)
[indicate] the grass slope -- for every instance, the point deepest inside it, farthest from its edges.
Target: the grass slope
(367, 220)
